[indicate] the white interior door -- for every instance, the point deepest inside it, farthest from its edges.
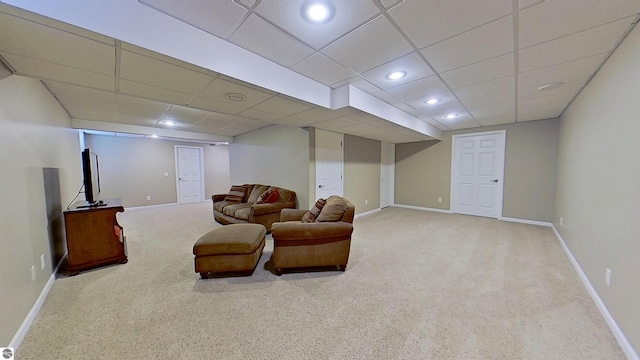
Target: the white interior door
(329, 164)
(477, 173)
(387, 171)
(190, 172)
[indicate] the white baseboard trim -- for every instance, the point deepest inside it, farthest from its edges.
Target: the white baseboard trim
(367, 213)
(615, 329)
(149, 206)
(525, 221)
(26, 324)
(423, 208)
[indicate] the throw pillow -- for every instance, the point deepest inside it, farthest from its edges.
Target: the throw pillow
(311, 215)
(333, 209)
(236, 194)
(268, 196)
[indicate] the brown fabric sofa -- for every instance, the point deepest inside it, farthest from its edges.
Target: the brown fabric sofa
(322, 243)
(246, 210)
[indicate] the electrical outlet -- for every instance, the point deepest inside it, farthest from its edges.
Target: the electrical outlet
(148, 197)
(33, 273)
(607, 277)
(42, 263)
(439, 199)
(166, 173)
(561, 220)
(366, 201)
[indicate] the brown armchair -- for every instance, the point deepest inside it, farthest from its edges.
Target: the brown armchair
(323, 243)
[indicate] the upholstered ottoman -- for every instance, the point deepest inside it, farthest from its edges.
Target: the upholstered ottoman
(234, 248)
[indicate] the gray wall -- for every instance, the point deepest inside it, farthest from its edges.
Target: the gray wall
(34, 133)
(423, 170)
(598, 187)
(275, 155)
(362, 159)
(132, 168)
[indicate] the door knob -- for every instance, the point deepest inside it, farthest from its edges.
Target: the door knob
(494, 180)
(321, 186)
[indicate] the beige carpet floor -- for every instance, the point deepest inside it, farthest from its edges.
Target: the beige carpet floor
(419, 285)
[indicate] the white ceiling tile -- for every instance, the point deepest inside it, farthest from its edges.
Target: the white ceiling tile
(423, 87)
(214, 122)
(568, 86)
(324, 70)
(166, 59)
(378, 34)
(260, 115)
(142, 69)
(72, 95)
(287, 15)
(217, 106)
(496, 86)
(52, 71)
(220, 87)
(182, 114)
(28, 39)
(427, 22)
(283, 106)
(479, 72)
(413, 64)
(153, 92)
(219, 18)
(294, 121)
(273, 43)
(540, 112)
(141, 107)
(587, 43)
(321, 114)
(90, 113)
(464, 123)
(445, 97)
(479, 44)
(133, 119)
(453, 108)
(503, 113)
(489, 100)
(558, 73)
(554, 19)
(336, 124)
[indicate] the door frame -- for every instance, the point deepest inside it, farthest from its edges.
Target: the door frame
(177, 170)
(500, 186)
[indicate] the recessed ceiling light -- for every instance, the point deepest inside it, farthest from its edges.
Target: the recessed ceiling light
(169, 122)
(550, 86)
(450, 116)
(235, 97)
(318, 11)
(432, 101)
(154, 136)
(396, 75)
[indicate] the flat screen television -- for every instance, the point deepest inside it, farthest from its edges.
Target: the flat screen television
(91, 181)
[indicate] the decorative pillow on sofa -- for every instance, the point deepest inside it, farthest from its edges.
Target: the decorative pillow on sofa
(268, 196)
(236, 194)
(311, 215)
(333, 209)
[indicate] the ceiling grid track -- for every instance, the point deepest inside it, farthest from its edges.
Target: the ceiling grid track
(516, 54)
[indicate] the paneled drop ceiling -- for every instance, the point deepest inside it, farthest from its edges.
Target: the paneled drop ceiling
(132, 65)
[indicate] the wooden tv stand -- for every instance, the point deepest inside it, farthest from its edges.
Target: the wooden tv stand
(94, 237)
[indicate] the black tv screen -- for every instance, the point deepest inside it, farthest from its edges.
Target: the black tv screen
(91, 174)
